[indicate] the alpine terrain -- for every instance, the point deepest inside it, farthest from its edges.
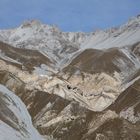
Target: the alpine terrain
(58, 85)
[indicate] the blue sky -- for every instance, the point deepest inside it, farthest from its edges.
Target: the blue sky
(69, 15)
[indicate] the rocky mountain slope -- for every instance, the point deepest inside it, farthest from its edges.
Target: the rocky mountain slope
(61, 118)
(76, 86)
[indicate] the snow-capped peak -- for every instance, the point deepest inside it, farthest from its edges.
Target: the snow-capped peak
(132, 24)
(61, 46)
(127, 34)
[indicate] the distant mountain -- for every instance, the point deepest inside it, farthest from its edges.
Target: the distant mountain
(61, 46)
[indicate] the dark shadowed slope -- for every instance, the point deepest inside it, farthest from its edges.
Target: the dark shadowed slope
(23, 57)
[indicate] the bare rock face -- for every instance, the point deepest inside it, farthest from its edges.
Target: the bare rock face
(76, 86)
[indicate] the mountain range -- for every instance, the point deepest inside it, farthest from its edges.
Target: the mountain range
(57, 85)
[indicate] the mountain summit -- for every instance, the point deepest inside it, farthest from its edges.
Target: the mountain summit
(52, 42)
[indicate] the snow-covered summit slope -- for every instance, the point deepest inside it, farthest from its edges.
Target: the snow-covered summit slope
(15, 121)
(49, 40)
(127, 34)
(60, 47)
